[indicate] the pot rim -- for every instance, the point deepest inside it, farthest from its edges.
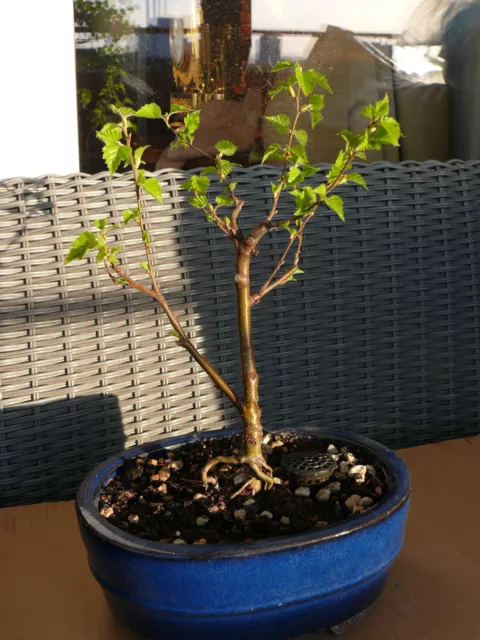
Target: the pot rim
(89, 490)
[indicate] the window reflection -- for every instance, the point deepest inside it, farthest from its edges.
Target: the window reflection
(217, 56)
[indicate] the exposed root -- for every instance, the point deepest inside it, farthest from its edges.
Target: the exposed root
(242, 488)
(215, 462)
(257, 464)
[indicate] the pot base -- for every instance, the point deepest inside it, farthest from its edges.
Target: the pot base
(343, 627)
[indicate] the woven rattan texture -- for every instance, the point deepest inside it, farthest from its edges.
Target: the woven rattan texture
(380, 336)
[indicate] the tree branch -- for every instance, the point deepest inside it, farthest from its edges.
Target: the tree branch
(183, 340)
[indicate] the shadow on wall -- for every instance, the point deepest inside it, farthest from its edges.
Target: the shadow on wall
(47, 448)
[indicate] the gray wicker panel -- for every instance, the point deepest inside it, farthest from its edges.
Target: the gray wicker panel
(380, 336)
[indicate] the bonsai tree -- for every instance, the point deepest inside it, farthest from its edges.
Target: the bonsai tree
(303, 86)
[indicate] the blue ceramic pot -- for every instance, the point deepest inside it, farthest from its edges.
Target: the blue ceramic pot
(268, 590)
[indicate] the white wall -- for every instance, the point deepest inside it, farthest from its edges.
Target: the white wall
(37, 88)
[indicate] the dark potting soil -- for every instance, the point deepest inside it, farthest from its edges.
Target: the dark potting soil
(161, 497)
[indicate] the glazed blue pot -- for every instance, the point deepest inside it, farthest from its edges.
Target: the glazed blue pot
(269, 590)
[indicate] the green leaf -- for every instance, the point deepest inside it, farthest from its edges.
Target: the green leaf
(282, 85)
(321, 190)
(114, 153)
(124, 112)
(320, 79)
(299, 154)
(199, 202)
(110, 133)
(299, 271)
(79, 247)
(226, 147)
(151, 110)
(316, 101)
(316, 117)
(302, 137)
(276, 188)
(283, 64)
(272, 150)
(281, 122)
(123, 281)
(388, 132)
(335, 203)
(146, 238)
(338, 166)
(209, 170)
(101, 224)
(356, 177)
(174, 333)
(382, 107)
(176, 108)
(101, 255)
(199, 184)
(305, 80)
(151, 185)
(352, 139)
(191, 124)
(368, 111)
(232, 186)
(224, 200)
(225, 166)
(286, 225)
(305, 199)
(308, 170)
(227, 220)
(145, 266)
(113, 253)
(294, 175)
(137, 156)
(129, 215)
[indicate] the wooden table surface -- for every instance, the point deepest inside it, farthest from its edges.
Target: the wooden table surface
(47, 592)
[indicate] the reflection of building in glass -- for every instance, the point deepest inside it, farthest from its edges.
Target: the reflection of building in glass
(269, 49)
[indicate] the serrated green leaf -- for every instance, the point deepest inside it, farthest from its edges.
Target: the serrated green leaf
(273, 149)
(320, 79)
(101, 255)
(196, 183)
(388, 132)
(276, 188)
(176, 108)
(321, 190)
(316, 101)
(129, 215)
(224, 200)
(226, 147)
(110, 133)
(352, 139)
(114, 153)
(79, 247)
(302, 137)
(191, 124)
(146, 238)
(209, 170)
(356, 177)
(382, 107)
(101, 224)
(316, 117)
(151, 110)
(282, 64)
(225, 166)
(305, 199)
(281, 122)
(151, 186)
(137, 156)
(294, 175)
(199, 202)
(309, 170)
(305, 80)
(124, 112)
(299, 154)
(145, 266)
(335, 203)
(112, 254)
(368, 111)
